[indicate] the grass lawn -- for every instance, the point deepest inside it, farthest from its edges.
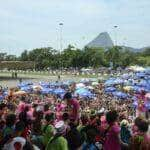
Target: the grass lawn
(46, 74)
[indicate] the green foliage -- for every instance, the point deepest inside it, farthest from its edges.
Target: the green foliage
(71, 57)
(144, 61)
(146, 52)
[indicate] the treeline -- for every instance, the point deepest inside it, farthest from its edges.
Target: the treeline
(71, 57)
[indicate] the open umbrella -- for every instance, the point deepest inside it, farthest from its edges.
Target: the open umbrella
(5, 93)
(25, 88)
(1, 97)
(90, 87)
(95, 83)
(84, 80)
(143, 83)
(44, 84)
(120, 94)
(139, 89)
(59, 91)
(37, 87)
(89, 95)
(83, 92)
(47, 91)
(147, 105)
(109, 82)
(118, 81)
(110, 89)
(141, 74)
(147, 95)
(80, 85)
(19, 93)
(25, 84)
(135, 103)
(125, 76)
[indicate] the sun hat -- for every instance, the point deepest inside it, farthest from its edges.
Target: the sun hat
(124, 122)
(60, 127)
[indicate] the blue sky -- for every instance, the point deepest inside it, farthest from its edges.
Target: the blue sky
(28, 24)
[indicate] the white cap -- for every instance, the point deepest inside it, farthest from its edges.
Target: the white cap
(60, 127)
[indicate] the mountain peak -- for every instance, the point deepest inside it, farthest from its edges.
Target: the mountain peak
(102, 40)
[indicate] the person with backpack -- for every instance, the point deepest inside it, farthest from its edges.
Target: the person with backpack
(140, 140)
(58, 142)
(48, 128)
(90, 141)
(74, 138)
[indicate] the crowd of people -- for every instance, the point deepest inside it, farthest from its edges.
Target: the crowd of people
(48, 122)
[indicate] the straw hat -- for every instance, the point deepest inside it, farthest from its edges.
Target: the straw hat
(124, 122)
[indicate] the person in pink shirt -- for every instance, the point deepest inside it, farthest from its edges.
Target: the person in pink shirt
(113, 140)
(60, 107)
(73, 107)
(141, 109)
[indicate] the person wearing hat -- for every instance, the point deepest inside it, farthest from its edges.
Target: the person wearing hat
(125, 132)
(58, 142)
(73, 107)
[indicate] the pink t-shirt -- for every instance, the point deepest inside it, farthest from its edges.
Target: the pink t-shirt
(59, 111)
(112, 140)
(73, 109)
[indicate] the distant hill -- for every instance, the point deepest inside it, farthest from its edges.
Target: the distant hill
(135, 49)
(103, 40)
(131, 49)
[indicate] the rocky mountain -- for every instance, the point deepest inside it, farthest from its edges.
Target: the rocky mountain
(103, 40)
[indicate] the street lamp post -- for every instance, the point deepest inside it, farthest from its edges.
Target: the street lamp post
(115, 32)
(115, 27)
(61, 44)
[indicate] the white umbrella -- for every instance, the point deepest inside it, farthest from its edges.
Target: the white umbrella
(80, 85)
(95, 83)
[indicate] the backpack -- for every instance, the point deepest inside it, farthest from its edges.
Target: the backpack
(56, 136)
(90, 146)
(45, 128)
(138, 143)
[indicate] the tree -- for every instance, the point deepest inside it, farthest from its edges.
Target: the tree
(3, 56)
(24, 56)
(146, 52)
(114, 55)
(11, 58)
(94, 57)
